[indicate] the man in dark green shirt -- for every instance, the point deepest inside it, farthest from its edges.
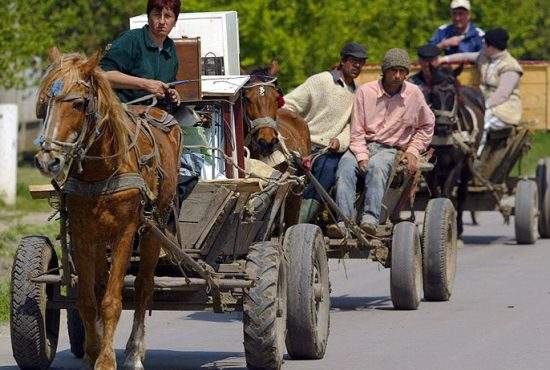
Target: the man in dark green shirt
(142, 61)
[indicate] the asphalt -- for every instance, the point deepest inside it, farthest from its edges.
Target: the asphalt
(498, 318)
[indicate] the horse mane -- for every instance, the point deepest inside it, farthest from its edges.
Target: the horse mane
(112, 119)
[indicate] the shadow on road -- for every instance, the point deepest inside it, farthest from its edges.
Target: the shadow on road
(215, 317)
(346, 303)
(481, 239)
(162, 360)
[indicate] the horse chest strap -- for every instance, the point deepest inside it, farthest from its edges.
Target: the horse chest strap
(112, 185)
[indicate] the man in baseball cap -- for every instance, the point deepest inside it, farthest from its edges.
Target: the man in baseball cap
(325, 101)
(462, 35)
(427, 57)
(389, 114)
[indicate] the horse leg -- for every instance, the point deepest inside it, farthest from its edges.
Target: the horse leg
(462, 193)
(86, 299)
(111, 304)
(144, 284)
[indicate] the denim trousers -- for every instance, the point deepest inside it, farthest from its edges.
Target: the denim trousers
(324, 170)
(375, 178)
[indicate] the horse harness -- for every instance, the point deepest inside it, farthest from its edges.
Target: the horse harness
(142, 117)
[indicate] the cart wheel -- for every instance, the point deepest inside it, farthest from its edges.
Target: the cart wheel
(34, 327)
(526, 212)
(439, 249)
(264, 307)
(406, 267)
(75, 327)
(308, 317)
(543, 182)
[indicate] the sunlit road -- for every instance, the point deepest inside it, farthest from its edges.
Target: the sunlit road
(498, 318)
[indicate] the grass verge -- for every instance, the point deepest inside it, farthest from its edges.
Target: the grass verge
(540, 148)
(9, 241)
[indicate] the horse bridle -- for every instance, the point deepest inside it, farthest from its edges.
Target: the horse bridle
(451, 114)
(261, 122)
(75, 149)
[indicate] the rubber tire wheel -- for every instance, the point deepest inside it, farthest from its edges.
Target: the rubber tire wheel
(439, 249)
(406, 267)
(75, 327)
(526, 212)
(264, 307)
(34, 328)
(543, 182)
(308, 315)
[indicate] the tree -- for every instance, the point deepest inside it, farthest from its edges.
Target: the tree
(305, 35)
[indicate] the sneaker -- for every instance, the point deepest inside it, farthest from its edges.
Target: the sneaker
(337, 231)
(369, 224)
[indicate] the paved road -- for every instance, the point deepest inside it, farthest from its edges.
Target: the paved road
(498, 318)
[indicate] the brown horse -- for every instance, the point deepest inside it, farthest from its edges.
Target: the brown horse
(118, 168)
(270, 128)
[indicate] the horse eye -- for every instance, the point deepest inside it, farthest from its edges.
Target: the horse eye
(79, 104)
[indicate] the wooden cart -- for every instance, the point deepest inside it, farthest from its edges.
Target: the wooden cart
(417, 264)
(232, 251)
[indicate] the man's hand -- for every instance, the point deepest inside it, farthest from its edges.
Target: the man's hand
(363, 165)
(451, 41)
(334, 144)
(156, 87)
(173, 96)
(411, 162)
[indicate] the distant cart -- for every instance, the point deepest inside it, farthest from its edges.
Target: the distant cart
(493, 186)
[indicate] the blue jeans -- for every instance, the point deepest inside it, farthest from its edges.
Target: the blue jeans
(324, 170)
(381, 160)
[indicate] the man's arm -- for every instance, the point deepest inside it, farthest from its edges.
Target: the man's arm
(424, 129)
(299, 99)
(508, 82)
(343, 138)
(358, 143)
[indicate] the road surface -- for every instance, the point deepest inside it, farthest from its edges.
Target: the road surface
(498, 318)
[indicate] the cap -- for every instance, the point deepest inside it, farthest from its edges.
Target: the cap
(460, 4)
(355, 50)
(396, 58)
(497, 37)
(428, 51)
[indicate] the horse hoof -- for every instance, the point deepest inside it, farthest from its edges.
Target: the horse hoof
(133, 364)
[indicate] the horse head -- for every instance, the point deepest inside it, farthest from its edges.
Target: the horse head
(444, 99)
(73, 97)
(263, 98)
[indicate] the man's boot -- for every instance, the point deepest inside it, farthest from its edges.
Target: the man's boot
(308, 210)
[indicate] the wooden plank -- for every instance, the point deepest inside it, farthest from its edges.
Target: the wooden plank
(199, 212)
(45, 191)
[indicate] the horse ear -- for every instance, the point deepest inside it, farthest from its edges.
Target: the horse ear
(274, 68)
(54, 55)
(458, 70)
(92, 62)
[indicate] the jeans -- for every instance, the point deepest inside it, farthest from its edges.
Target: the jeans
(324, 170)
(381, 160)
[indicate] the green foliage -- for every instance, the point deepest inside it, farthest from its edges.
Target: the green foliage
(4, 299)
(305, 35)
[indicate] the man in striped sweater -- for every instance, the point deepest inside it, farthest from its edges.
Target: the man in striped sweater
(325, 101)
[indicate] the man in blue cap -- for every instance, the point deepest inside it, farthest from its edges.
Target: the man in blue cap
(427, 58)
(461, 36)
(325, 101)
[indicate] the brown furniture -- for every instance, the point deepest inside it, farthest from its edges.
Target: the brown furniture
(188, 50)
